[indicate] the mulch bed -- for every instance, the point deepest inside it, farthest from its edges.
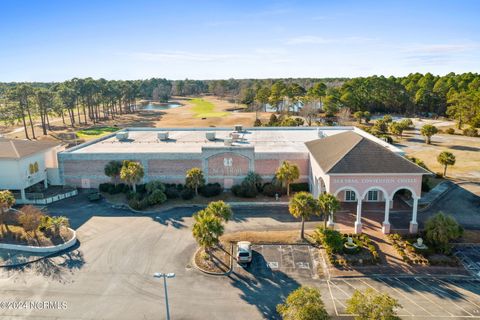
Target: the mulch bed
(217, 260)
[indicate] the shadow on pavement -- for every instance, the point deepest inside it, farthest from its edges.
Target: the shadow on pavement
(266, 290)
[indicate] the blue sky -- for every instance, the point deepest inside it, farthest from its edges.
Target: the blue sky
(58, 40)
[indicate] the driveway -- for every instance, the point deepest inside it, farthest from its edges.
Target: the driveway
(109, 275)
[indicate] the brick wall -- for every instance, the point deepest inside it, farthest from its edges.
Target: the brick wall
(171, 167)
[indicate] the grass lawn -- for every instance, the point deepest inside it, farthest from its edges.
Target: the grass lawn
(96, 132)
(206, 109)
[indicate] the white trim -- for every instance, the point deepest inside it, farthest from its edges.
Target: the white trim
(414, 194)
(357, 194)
(385, 193)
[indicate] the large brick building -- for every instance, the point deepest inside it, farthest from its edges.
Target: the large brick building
(345, 161)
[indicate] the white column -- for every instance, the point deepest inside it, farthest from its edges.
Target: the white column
(45, 183)
(22, 193)
(386, 222)
(414, 223)
(358, 221)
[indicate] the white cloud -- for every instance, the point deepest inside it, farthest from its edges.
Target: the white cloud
(309, 39)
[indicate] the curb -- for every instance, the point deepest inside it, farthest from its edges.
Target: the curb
(35, 249)
(194, 205)
(452, 184)
(226, 273)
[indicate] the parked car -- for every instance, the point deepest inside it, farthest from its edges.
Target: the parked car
(244, 252)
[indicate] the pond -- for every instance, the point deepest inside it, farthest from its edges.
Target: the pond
(158, 105)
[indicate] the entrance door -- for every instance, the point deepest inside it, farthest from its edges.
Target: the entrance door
(86, 183)
(227, 183)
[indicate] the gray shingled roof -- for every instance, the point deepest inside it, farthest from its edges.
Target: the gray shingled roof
(349, 152)
(17, 149)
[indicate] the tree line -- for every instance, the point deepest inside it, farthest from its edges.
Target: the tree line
(91, 101)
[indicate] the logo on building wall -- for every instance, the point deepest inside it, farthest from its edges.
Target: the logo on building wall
(227, 162)
(33, 168)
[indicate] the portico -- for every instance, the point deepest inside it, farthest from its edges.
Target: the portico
(363, 171)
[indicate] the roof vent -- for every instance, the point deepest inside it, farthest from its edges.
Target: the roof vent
(122, 136)
(210, 136)
(227, 141)
(321, 134)
(162, 136)
(238, 128)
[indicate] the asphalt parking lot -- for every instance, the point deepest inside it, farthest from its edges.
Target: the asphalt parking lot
(296, 261)
(469, 255)
(421, 298)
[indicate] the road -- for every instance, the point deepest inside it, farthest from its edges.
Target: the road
(109, 275)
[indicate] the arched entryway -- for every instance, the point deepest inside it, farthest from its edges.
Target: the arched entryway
(399, 198)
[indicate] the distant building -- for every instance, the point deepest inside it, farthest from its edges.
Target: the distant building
(24, 163)
(345, 161)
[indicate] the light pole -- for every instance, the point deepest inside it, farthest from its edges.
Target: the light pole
(165, 276)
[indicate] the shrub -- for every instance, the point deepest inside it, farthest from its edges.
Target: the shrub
(138, 204)
(141, 188)
(386, 138)
(106, 187)
(470, 132)
(30, 218)
(425, 185)
(302, 186)
(172, 192)
(211, 190)
(187, 194)
(440, 229)
(270, 189)
(157, 197)
(236, 190)
(330, 239)
(121, 188)
(45, 223)
(133, 195)
(155, 185)
(450, 131)
(257, 123)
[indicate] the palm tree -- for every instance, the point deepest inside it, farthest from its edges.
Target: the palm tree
(194, 179)
(113, 169)
(7, 200)
(220, 210)
(57, 223)
(329, 204)
(446, 159)
(303, 205)
(132, 172)
(287, 173)
(207, 229)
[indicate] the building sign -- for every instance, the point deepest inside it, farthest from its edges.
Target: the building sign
(226, 171)
(373, 180)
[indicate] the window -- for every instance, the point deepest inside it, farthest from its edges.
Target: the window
(373, 195)
(350, 195)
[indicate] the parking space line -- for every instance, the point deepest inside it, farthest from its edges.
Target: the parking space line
(331, 296)
(404, 295)
(423, 295)
(466, 292)
(348, 296)
(444, 294)
(403, 308)
(293, 258)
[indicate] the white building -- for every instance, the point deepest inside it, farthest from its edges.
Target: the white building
(24, 163)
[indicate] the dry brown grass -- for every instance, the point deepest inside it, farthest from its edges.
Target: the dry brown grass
(470, 236)
(17, 235)
(267, 237)
(216, 260)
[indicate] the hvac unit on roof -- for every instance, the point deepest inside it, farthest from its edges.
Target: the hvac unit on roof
(210, 136)
(238, 128)
(235, 136)
(122, 135)
(162, 136)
